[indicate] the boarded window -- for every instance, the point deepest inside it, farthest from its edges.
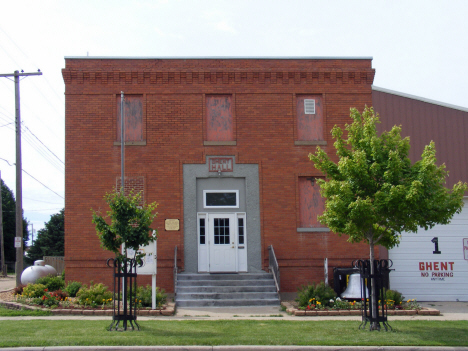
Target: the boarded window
(219, 123)
(133, 117)
(311, 203)
(309, 113)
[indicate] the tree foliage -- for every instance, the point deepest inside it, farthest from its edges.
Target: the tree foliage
(9, 223)
(374, 192)
(50, 240)
(129, 223)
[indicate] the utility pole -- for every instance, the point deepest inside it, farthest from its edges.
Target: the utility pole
(3, 272)
(19, 182)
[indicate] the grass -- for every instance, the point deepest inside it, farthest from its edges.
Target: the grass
(5, 312)
(221, 332)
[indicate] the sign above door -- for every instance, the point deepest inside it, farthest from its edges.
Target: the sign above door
(221, 164)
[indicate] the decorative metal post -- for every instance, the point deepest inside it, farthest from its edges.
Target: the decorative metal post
(381, 268)
(124, 300)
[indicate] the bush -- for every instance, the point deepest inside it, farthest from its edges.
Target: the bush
(145, 299)
(19, 289)
(393, 296)
(95, 295)
(73, 288)
(34, 290)
(320, 293)
(52, 282)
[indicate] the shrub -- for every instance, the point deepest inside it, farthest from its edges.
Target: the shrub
(73, 288)
(52, 282)
(19, 289)
(34, 290)
(95, 295)
(320, 293)
(144, 296)
(395, 297)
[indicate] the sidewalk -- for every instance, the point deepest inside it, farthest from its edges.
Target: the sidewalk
(448, 311)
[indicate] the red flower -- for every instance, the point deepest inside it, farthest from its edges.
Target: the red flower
(308, 307)
(45, 289)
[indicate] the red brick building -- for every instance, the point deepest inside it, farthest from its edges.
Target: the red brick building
(221, 145)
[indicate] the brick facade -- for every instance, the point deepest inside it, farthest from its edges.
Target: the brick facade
(263, 95)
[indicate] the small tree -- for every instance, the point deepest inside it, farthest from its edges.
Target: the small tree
(374, 193)
(130, 223)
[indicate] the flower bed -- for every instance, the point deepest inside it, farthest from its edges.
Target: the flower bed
(294, 310)
(76, 298)
(70, 307)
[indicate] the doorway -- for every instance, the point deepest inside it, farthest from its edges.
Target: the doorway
(222, 242)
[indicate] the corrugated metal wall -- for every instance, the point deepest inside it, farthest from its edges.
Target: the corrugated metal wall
(424, 121)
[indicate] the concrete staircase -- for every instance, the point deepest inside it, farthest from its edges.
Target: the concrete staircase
(218, 290)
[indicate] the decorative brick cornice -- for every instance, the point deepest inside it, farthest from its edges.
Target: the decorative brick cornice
(365, 76)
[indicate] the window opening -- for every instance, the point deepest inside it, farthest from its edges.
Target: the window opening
(221, 198)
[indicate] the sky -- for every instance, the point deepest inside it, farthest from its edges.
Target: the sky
(418, 48)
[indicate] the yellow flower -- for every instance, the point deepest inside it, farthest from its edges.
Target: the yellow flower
(319, 303)
(408, 300)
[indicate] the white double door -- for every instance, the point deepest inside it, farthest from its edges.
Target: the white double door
(224, 247)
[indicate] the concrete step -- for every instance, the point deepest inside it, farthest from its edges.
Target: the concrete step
(262, 282)
(225, 289)
(226, 303)
(243, 289)
(227, 296)
(223, 276)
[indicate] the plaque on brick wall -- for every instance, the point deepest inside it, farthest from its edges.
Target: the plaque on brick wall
(172, 224)
(221, 164)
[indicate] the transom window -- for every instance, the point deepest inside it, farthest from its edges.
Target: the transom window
(221, 198)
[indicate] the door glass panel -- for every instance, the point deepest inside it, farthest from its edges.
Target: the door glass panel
(221, 231)
(240, 223)
(202, 231)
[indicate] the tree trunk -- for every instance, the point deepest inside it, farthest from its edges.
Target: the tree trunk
(373, 296)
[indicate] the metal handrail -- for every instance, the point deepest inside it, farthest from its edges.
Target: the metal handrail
(274, 267)
(175, 270)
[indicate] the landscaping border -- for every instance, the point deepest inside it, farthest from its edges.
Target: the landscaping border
(297, 312)
(167, 310)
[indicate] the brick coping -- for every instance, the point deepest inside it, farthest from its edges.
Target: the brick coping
(297, 312)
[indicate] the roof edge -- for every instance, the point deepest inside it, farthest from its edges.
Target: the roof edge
(414, 97)
(219, 58)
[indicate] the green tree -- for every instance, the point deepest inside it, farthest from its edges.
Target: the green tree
(129, 223)
(50, 240)
(374, 192)
(9, 223)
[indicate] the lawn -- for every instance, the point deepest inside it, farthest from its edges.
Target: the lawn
(230, 332)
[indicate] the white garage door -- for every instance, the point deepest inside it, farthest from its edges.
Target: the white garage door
(432, 265)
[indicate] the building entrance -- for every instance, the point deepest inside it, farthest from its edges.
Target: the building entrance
(222, 242)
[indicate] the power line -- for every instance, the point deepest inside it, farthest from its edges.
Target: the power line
(43, 209)
(34, 179)
(29, 130)
(46, 202)
(43, 184)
